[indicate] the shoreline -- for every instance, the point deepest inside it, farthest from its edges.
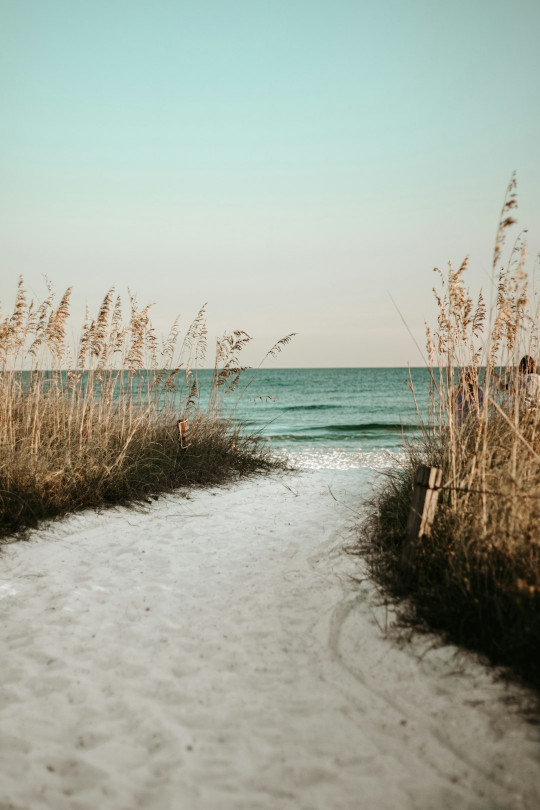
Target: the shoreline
(215, 650)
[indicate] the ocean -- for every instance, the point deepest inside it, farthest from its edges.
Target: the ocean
(337, 418)
(331, 417)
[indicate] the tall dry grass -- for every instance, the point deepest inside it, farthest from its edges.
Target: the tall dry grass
(478, 575)
(97, 424)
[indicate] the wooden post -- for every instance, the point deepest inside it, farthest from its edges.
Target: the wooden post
(427, 484)
(183, 433)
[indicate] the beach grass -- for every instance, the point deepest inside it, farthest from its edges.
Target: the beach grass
(97, 424)
(477, 576)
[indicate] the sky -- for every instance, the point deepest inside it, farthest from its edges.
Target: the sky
(300, 165)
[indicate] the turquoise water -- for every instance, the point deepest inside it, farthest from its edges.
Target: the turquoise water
(324, 417)
(340, 417)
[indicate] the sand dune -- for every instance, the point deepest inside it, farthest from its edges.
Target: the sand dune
(214, 653)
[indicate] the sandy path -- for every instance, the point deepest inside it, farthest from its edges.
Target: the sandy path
(213, 653)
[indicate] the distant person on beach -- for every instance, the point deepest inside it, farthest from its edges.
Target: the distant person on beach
(470, 396)
(526, 384)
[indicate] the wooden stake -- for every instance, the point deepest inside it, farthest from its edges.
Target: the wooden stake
(424, 501)
(183, 433)
(427, 484)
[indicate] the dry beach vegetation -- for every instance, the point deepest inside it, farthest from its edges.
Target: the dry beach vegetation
(98, 424)
(477, 576)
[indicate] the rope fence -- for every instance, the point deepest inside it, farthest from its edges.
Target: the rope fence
(427, 486)
(450, 488)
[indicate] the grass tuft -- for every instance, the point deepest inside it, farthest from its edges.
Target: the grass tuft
(477, 576)
(98, 425)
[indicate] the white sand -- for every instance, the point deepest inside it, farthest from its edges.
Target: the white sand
(214, 653)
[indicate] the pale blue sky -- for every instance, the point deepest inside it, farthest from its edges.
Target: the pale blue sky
(289, 162)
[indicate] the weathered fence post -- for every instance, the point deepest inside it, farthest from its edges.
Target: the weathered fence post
(427, 484)
(183, 433)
